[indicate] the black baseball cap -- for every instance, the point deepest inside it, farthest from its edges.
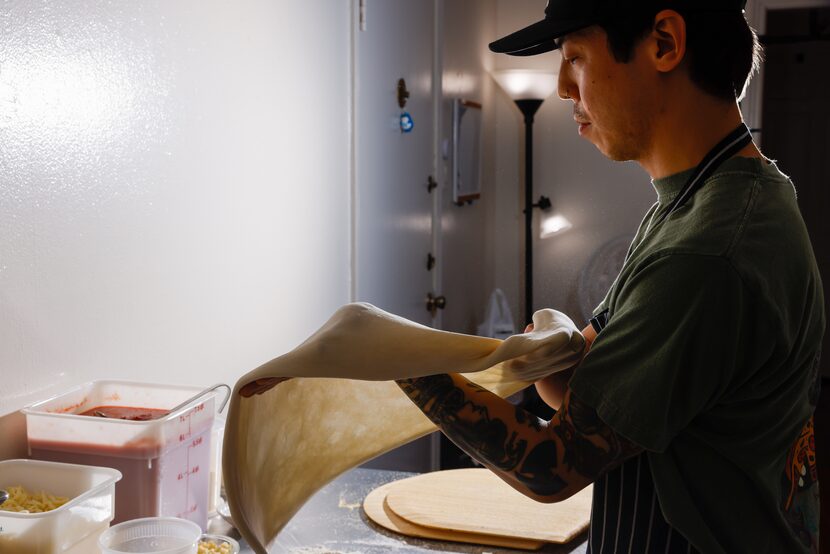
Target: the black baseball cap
(566, 16)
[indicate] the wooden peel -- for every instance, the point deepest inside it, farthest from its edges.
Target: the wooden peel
(477, 501)
(378, 511)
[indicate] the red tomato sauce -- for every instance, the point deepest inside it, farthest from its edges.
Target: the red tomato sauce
(126, 412)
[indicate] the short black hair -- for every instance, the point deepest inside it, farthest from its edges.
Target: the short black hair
(723, 51)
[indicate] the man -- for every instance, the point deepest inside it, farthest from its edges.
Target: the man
(692, 411)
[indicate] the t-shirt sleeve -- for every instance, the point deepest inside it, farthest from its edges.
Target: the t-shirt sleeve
(670, 350)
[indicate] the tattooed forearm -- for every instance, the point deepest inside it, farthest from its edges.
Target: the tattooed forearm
(542, 459)
(437, 396)
(460, 409)
(465, 422)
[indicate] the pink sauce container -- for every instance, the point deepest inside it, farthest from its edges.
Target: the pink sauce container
(165, 462)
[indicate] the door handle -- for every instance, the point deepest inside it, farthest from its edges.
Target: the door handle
(435, 303)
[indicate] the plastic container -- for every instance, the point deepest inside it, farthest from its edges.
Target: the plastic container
(165, 462)
(73, 528)
(152, 535)
(215, 483)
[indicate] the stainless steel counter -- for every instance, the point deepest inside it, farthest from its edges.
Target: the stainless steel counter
(333, 522)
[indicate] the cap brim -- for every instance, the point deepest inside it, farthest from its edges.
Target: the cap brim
(537, 38)
(546, 46)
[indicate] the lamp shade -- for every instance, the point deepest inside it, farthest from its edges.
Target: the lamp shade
(554, 225)
(526, 84)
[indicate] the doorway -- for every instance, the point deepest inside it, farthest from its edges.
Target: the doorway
(796, 119)
(796, 132)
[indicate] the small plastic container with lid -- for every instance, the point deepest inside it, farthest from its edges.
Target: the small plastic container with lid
(165, 461)
(72, 528)
(152, 535)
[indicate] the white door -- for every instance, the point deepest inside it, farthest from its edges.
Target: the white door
(393, 206)
(394, 39)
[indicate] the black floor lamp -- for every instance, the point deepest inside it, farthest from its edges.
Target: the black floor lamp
(528, 89)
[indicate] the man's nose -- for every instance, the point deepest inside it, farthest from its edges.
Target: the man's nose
(566, 88)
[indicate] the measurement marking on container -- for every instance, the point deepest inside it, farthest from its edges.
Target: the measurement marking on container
(187, 417)
(187, 482)
(188, 469)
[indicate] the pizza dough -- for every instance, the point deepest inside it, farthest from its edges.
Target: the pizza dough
(282, 446)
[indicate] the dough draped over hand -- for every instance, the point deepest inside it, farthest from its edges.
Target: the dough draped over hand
(344, 408)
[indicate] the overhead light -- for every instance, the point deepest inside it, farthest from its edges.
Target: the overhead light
(554, 225)
(526, 84)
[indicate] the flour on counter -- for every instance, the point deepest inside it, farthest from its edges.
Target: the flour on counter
(319, 550)
(345, 504)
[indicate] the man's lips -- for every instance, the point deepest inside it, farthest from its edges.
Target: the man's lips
(581, 120)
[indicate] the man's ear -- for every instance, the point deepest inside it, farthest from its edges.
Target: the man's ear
(669, 37)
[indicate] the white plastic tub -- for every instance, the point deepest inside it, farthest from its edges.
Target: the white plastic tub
(152, 535)
(70, 529)
(165, 462)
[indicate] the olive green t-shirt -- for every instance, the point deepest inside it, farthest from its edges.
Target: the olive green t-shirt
(709, 360)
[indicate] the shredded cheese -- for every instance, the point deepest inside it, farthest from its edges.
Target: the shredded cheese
(20, 500)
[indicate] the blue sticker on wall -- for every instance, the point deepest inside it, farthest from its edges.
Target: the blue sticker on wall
(407, 124)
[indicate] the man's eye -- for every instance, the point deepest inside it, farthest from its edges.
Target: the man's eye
(572, 60)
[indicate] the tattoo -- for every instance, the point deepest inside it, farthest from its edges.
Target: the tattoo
(579, 428)
(522, 416)
(538, 472)
(517, 442)
(477, 434)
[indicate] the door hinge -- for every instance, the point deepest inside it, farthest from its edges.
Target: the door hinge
(435, 303)
(430, 261)
(431, 184)
(362, 16)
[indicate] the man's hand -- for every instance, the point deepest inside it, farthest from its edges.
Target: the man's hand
(556, 345)
(261, 385)
(552, 388)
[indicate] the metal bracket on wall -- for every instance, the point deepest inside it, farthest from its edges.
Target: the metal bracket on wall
(543, 204)
(431, 184)
(430, 262)
(403, 93)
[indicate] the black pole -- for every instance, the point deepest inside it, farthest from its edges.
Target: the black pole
(529, 109)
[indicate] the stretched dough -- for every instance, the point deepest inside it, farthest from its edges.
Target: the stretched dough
(284, 445)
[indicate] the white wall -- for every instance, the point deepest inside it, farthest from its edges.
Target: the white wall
(467, 278)
(602, 199)
(174, 189)
(175, 186)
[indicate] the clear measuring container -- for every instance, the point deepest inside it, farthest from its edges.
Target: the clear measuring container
(165, 462)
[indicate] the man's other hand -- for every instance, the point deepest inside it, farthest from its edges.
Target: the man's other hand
(552, 388)
(261, 385)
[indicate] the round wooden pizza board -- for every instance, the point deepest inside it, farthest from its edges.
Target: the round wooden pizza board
(378, 511)
(477, 501)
